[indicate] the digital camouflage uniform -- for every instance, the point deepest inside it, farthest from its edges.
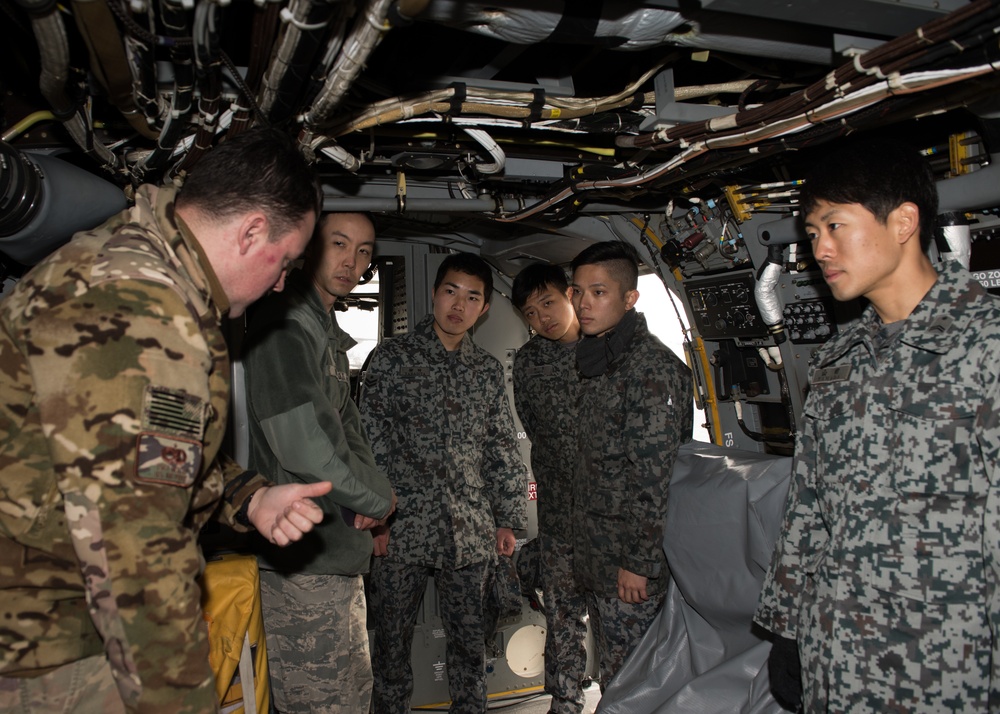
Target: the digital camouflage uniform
(113, 403)
(546, 389)
(887, 568)
(633, 419)
(440, 426)
(305, 427)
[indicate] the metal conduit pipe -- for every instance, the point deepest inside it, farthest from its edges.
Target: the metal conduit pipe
(402, 204)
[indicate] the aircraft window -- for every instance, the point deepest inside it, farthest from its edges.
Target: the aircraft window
(664, 322)
(361, 320)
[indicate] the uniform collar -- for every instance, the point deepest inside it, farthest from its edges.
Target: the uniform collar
(219, 297)
(184, 246)
(934, 323)
(553, 350)
(466, 349)
(301, 285)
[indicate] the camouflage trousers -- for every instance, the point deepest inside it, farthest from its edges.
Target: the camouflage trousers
(317, 642)
(396, 590)
(618, 626)
(566, 622)
(83, 687)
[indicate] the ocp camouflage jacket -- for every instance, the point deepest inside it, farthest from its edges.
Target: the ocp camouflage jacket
(113, 403)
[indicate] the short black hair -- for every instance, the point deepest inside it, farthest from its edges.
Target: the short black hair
(878, 175)
(619, 259)
(470, 265)
(536, 277)
(321, 220)
(261, 169)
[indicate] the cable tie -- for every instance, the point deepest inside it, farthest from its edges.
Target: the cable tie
(375, 23)
(536, 104)
(461, 93)
(290, 18)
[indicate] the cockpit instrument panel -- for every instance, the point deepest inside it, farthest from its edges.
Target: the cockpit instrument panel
(724, 307)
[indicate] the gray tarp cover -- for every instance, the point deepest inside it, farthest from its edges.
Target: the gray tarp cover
(700, 655)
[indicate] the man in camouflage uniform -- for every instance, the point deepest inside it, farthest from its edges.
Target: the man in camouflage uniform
(886, 572)
(435, 408)
(635, 411)
(113, 403)
(304, 428)
(546, 388)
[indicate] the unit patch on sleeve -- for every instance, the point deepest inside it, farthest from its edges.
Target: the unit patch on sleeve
(169, 446)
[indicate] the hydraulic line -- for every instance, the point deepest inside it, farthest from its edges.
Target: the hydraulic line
(710, 400)
(851, 103)
(864, 71)
(365, 36)
(140, 48)
(208, 73)
(53, 50)
(176, 26)
(108, 62)
(265, 23)
(26, 123)
(305, 24)
(494, 102)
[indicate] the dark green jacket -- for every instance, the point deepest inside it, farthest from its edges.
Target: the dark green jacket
(304, 427)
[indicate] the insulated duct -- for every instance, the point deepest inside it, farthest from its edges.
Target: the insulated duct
(45, 200)
(766, 293)
(613, 23)
(972, 191)
(617, 24)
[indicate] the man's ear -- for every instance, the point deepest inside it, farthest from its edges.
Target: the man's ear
(486, 309)
(906, 221)
(569, 293)
(631, 297)
(253, 230)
